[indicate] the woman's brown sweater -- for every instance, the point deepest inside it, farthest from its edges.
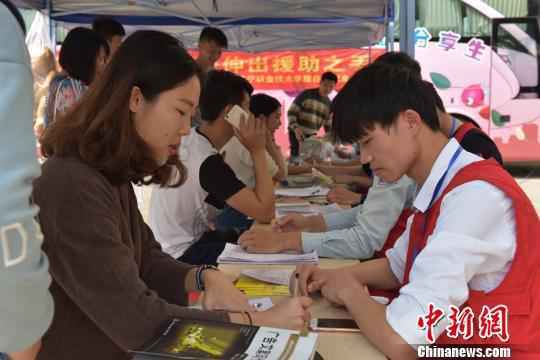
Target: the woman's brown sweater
(113, 287)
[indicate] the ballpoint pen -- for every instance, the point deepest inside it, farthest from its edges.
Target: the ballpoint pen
(304, 331)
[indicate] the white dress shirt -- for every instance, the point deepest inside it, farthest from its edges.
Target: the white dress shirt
(472, 245)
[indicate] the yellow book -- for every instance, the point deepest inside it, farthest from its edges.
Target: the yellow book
(253, 287)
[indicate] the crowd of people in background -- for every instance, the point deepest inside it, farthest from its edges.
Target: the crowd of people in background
(118, 111)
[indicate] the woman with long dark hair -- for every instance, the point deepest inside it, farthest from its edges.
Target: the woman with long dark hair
(113, 287)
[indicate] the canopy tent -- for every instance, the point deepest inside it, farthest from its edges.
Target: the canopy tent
(250, 25)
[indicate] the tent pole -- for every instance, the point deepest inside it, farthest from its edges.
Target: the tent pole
(407, 18)
(389, 26)
(52, 25)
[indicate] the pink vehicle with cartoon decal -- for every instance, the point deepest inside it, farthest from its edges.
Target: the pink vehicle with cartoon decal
(496, 86)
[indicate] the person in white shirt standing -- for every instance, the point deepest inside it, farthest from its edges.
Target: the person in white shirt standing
(472, 241)
(183, 218)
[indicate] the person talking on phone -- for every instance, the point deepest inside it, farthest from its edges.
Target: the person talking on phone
(183, 218)
(268, 109)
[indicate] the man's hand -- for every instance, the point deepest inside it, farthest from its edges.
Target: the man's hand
(252, 134)
(336, 287)
(263, 241)
(340, 195)
(290, 223)
(310, 278)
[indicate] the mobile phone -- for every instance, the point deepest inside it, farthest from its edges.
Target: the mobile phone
(345, 325)
(235, 115)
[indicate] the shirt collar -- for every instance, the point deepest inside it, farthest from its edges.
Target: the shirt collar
(425, 194)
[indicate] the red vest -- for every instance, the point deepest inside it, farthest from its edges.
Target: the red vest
(395, 233)
(520, 289)
(463, 130)
(401, 223)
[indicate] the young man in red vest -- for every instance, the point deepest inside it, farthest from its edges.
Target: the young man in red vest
(370, 230)
(467, 134)
(471, 245)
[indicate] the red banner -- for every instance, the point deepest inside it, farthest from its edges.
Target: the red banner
(296, 70)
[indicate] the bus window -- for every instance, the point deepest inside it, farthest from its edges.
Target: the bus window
(515, 40)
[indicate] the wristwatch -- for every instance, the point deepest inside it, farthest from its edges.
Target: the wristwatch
(199, 278)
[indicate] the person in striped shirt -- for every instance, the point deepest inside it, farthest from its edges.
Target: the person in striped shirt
(309, 111)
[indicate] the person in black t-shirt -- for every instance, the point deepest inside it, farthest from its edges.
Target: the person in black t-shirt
(184, 219)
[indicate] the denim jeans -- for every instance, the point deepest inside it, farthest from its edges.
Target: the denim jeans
(232, 219)
(207, 249)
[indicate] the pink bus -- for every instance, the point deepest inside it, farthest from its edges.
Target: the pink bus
(493, 81)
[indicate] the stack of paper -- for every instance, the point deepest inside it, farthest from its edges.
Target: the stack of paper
(302, 207)
(302, 192)
(277, 276)
(234, 254)
(305, 209)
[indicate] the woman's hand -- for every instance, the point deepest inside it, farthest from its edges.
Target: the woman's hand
(291, 313)
(221, 294)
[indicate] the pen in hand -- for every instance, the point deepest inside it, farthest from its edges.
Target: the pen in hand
(304, 331)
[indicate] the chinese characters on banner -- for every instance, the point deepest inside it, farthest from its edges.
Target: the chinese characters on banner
(296, 70)
(491, 322)
(448, 40)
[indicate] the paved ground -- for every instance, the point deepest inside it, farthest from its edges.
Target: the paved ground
(532, 187)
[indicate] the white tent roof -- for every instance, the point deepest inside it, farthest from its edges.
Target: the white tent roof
(251, 25)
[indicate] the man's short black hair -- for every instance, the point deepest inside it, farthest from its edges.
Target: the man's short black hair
(438, 101)
(329, 76)
(377, 95)
(396, 58)
(79, 52)
(220, 89)
(214, 34)
(262, 104)
(108, 27)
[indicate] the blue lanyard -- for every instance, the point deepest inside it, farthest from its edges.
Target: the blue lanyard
(453, 129)
(441, 180)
